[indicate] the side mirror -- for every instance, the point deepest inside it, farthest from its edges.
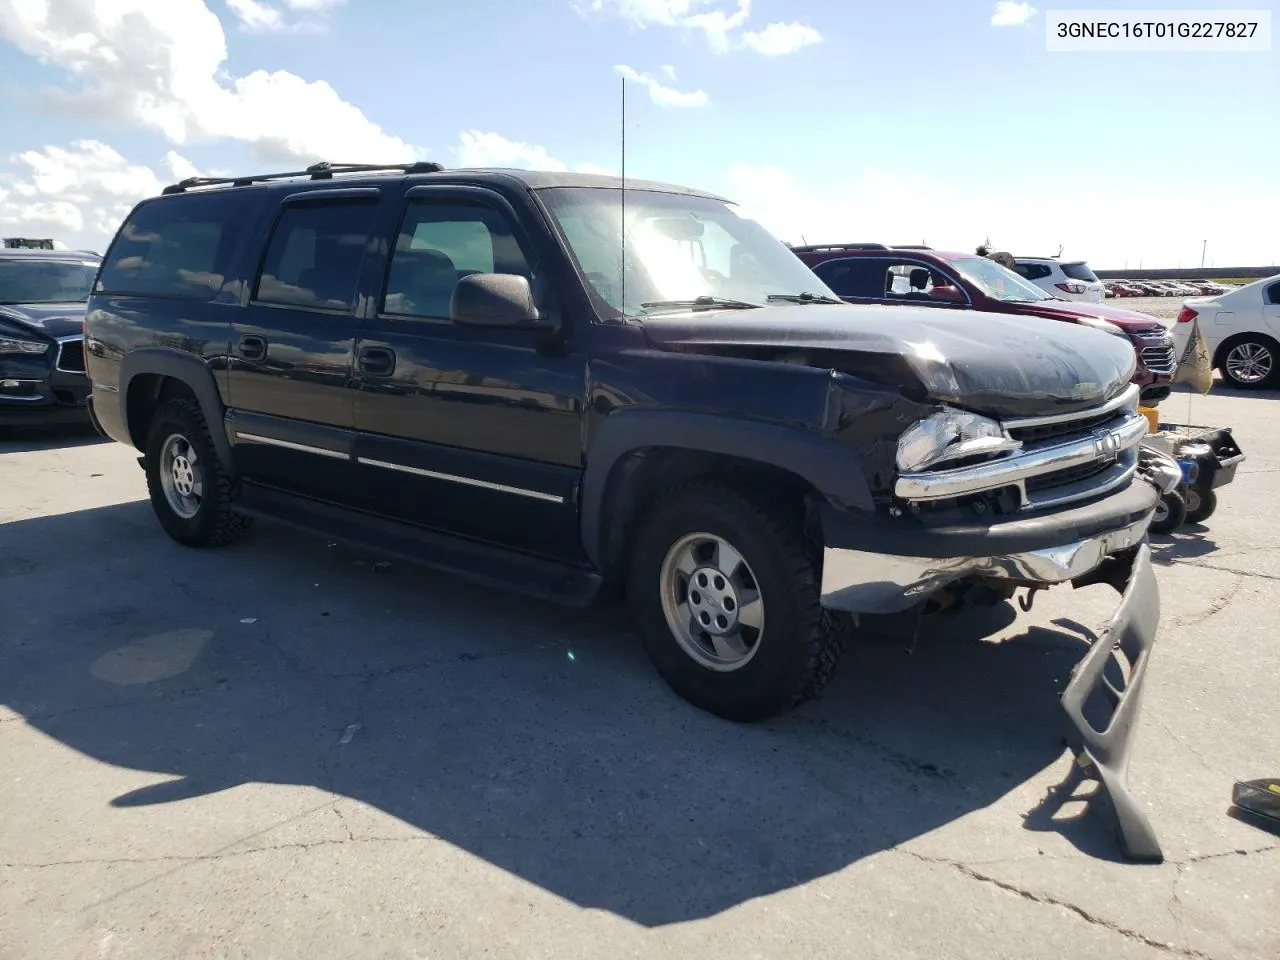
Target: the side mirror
(496, 300)
(947, 294)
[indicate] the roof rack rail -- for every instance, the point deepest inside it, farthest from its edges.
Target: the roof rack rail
(317, 171)
(815, 247)
(911, 246)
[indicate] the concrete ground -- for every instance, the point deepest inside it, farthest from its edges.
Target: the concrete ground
(285, 749)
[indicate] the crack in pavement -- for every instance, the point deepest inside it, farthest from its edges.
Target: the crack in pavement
(1216, 605)
(1242, 573)
(1047, 900)
(214, 857)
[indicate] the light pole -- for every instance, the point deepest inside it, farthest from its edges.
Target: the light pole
(1202, 252)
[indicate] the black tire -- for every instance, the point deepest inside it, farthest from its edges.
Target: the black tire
(213, 524)
(1171, 513)
(1266, 350)
(1200, 505)
(797, 650)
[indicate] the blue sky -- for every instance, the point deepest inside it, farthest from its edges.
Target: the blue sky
(827, 120)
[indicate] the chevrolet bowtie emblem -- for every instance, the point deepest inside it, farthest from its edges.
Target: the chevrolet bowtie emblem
(1108, 446)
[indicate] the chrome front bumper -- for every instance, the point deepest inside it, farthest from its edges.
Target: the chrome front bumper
(856, 581)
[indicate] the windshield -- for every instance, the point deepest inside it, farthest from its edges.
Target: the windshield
(997, 282)
(678, 248)
(45, 281)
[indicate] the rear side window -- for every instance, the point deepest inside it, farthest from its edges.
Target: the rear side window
(175, 247)
(1273, 294)
(313, 257)
(1033, 271)
(1079, 271)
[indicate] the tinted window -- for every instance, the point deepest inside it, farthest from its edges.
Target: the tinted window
(1033, 271)
(438, 244)
(1079, 271)
(1273, 293)
(314, 255)
(855, 277)
(175, 247)
(33, 280)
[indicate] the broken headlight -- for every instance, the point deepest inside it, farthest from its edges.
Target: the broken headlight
(949, 436)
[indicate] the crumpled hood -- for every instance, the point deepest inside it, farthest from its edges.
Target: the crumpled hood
(52, 319)
(998, 364)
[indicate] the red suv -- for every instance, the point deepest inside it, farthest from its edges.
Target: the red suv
(875, 273)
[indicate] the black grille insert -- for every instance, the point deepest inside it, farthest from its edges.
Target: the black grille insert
(71, 356)
(1053, 433)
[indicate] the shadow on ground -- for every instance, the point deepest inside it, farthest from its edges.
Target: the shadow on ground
(534, 737)
(29, 439)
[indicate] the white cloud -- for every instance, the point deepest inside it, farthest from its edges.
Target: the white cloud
(160, 64)
(477, 148)
(256, 16)
(1010, 13)
(720, 23)
(662, 95)
(778, 39)
(262, 15)
(882, 207)
(77, 194)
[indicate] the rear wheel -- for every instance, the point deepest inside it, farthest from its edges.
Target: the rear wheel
(1250, 362)
(190, 488)
(727, 601)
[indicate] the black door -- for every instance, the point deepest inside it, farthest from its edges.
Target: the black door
(471, 431)
(289, 379)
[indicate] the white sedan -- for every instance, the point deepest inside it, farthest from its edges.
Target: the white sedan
(1241, 330)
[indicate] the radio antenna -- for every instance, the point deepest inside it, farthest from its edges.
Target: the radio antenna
(622, 265)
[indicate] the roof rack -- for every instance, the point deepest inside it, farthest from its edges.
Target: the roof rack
(317, 171)
(911, 246)
(814, 248)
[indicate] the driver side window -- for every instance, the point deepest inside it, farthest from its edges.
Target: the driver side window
(915, 282)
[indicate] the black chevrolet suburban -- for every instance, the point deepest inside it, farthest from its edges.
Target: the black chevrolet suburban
(553, 382)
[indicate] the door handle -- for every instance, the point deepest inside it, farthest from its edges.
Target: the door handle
(376, 361)
(252, 348)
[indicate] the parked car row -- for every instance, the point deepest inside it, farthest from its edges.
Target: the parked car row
(1164, 288)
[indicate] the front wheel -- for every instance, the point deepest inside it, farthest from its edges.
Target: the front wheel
(190, 488)
(727, 601)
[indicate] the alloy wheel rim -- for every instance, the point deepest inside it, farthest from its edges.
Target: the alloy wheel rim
(1250, 363)
(181, 476)
(712, 602)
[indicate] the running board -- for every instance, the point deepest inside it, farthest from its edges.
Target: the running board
(520, 573)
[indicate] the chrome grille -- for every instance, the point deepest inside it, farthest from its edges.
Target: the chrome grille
(1156, 351)
(1064, 458)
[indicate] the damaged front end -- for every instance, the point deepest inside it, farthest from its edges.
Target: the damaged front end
(990, 506)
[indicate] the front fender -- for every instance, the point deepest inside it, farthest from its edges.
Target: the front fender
(831, 468)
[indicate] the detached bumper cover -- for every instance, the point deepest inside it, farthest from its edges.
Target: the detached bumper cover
(1104, 543)
(1130, 634)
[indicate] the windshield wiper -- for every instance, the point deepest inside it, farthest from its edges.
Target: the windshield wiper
(802, 298)
(701, 303)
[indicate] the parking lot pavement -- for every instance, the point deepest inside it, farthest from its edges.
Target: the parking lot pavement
(285, 749)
